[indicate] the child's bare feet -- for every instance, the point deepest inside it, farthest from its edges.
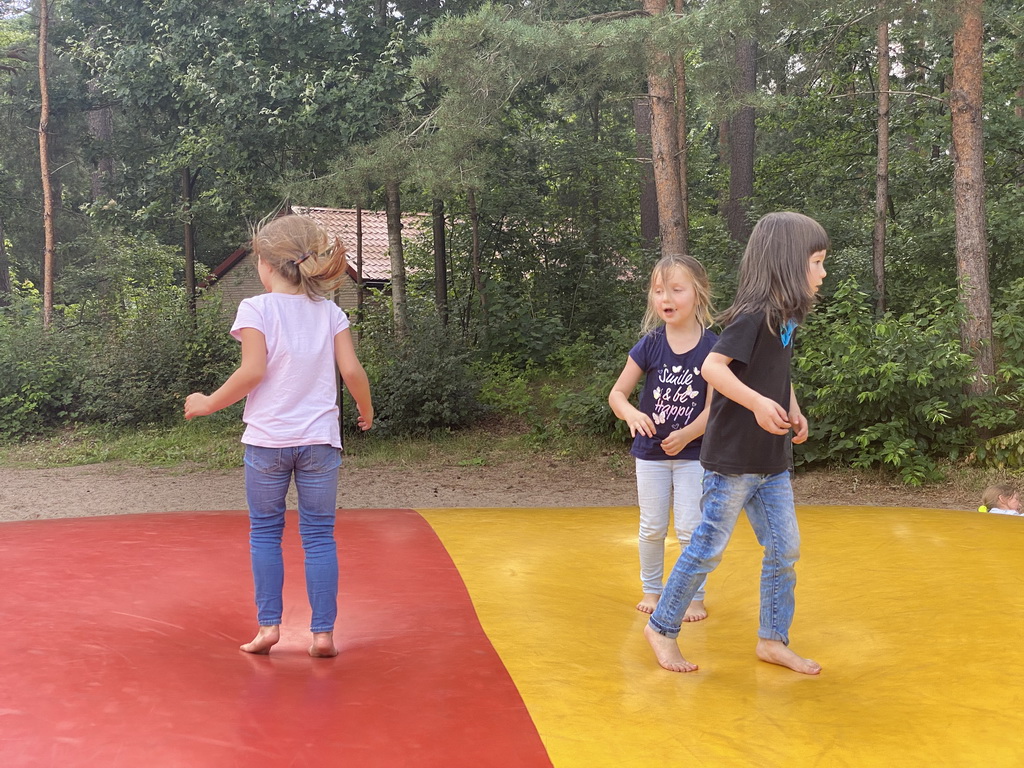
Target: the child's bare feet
(695, 611)
(323, 645)
(776, 652)
(666, 651)
(648, 604)
(265, 638)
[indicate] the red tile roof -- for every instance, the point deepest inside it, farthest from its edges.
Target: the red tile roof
(341, 222)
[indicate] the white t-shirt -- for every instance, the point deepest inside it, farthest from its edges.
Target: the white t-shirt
(296, 403)
(997, 511)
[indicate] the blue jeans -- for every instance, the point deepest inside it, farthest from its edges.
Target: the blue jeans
(268, 473)
(663, 486)
(768, 501)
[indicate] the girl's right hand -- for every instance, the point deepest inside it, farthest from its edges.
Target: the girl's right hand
(639, 421)
(365, 418)
(771, 416)
(197, 404)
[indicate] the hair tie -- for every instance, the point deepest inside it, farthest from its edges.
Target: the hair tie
(305, 255)
(983, 508)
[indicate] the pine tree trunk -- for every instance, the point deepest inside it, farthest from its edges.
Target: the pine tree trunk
(101, 129)
(741, 145)
(360, 289)
(881, 169)
(682, 149)
(478, 281)
(664, 138)
(187, 182)
(5, 271)
(440, 262)
(969, 191)
(648, 191)
(399, 303)
(49, 236)
(679, 62)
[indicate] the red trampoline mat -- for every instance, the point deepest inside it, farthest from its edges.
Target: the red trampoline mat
(120, 647)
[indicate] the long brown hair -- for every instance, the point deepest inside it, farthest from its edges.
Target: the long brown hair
(701, 287)
(773, 272)
(302, 253)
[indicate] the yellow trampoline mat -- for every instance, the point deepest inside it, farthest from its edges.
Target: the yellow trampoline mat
(917, 617)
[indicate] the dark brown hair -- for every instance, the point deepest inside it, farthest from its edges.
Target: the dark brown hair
(773, 272)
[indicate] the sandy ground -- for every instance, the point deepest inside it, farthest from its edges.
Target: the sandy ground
(115, 489)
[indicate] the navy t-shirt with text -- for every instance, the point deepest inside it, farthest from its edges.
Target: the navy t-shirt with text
(674, 393)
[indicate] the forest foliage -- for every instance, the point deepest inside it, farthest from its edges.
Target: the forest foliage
(520, 119)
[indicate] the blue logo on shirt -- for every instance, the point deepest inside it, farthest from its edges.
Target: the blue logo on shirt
(786, 332)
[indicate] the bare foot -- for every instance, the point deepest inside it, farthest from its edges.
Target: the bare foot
(695, 611)
(775, 652)
(666, 650)
(648, 604)
(265, 638)
(323, 645)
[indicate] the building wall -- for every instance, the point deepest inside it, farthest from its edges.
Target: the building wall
(243, 281)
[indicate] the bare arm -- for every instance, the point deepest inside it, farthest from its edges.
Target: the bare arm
(240, 383)
(354, 376)
(770, 416)
(618, 399)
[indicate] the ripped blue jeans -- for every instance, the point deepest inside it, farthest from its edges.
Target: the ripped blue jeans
(768, 501)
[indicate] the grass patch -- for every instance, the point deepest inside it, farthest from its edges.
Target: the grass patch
(210, 444)
(213, 443)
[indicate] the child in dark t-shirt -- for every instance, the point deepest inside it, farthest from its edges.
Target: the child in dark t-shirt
(747, 448)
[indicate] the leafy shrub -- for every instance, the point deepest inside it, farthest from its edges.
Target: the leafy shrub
(505, 389)
(1003, 412)
(421, 384)
(38, 386)
(884, 392)
(143, 366)
(585, 372)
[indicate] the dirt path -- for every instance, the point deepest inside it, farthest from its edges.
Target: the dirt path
(115, 489)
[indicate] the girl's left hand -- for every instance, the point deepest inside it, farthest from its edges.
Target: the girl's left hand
(674, 443)
(800, 426)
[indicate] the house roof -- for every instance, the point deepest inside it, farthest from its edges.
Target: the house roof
(343, 223)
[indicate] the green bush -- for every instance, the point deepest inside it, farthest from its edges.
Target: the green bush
(38, 385)
(583, 374)
(144, 365)
(421, 384)
(884, 392)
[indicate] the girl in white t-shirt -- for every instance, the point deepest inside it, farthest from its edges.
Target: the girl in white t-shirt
(292, 338)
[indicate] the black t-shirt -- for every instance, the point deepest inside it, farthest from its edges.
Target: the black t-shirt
(734, 443)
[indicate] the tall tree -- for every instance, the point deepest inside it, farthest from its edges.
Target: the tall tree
(439, 242)
(49, 247)
(741, 141)
(969, 190)
(665, 144)
(881, 168)
(399, 299)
